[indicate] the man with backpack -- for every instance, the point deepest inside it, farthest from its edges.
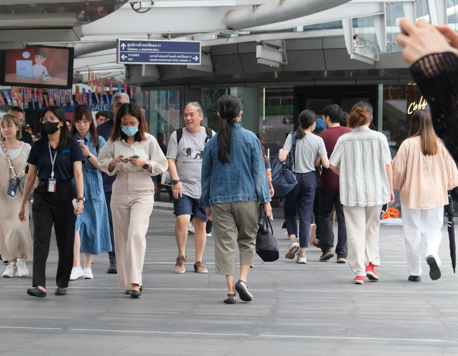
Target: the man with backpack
(184, 154)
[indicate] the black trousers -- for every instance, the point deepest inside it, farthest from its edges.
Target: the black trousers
(53, 209)
(328, 198)
(112, 254)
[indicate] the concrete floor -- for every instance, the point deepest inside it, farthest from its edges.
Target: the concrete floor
(311, 309)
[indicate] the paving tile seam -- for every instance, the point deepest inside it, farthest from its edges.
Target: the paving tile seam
(185, 333)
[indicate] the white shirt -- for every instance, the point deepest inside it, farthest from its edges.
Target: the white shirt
(362, 156)
(149, 150)
(38, 70)
(24, 149)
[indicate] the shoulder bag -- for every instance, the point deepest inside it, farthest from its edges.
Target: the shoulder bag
(266, 244)
(20, 179)
(283, 178)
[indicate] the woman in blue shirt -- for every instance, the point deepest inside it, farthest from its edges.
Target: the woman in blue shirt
(56, 160)
(234, 183)
(92, 229)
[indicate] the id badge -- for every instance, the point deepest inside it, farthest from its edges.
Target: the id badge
(52, 185)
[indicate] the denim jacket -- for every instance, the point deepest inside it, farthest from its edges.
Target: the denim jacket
(243, 179)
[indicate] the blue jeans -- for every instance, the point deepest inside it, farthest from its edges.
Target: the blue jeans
(300, 201)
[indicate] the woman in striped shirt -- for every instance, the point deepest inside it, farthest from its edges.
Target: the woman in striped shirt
(363, 161)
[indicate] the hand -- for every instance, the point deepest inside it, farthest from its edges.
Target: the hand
(391, 197)
(80, 208)
(268, 210)
(21, 214)
(85, 150)
(450, 35)
(116, 160)
(272, 191)
(209, 213)
(421, 39)
(137, 162)
(178, 190)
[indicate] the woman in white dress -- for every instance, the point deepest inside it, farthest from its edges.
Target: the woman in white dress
(15, 240)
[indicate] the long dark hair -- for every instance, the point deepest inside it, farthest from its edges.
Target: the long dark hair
(65, 136)
(264, 156)
(306, 119)
(229, 108)
(80, 113)
(135, 111)
(421, 125)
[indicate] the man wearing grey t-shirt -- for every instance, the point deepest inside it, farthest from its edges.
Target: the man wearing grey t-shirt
(184, 154)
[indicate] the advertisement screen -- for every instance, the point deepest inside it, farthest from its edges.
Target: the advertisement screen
(43, 67)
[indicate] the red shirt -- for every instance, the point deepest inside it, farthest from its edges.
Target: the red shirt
(329, 180)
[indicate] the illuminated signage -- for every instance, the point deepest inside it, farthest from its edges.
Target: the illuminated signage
(414, 106)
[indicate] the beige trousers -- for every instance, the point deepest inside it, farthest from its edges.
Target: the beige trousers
(131, 206)
(363, 225)
(234, 223)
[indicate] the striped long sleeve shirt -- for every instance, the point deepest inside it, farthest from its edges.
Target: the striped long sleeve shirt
(362, 156)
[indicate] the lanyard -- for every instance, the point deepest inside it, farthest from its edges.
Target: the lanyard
(53, 160)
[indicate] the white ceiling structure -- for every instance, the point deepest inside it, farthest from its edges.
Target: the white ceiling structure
(92, 27)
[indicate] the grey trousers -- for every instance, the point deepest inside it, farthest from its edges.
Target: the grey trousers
(234, 223)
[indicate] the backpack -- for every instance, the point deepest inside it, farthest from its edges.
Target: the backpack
(283, 178)
(207, 130)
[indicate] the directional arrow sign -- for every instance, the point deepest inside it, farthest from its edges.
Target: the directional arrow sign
(159, 52)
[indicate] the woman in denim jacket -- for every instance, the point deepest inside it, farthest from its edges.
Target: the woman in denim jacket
(234, 183)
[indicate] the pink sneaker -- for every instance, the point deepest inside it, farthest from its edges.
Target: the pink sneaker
(370, 272)
(359, 280)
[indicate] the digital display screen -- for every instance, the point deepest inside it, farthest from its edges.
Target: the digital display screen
(42, 67)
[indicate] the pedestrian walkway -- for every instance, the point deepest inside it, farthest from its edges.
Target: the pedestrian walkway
(311, 309)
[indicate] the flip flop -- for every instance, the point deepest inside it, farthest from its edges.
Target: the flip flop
(242, 291)
(231, 299)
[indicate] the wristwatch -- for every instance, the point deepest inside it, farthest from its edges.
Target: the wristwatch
(88, 156)
(83, 199)
(176, 181)
(146, 166)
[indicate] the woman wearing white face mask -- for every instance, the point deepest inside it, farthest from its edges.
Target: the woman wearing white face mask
(135, 156)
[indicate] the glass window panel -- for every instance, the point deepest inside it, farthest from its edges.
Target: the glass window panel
(366, 40)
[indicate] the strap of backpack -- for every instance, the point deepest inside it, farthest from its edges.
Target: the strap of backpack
(293, 150)
(209, 134)
(179, 135)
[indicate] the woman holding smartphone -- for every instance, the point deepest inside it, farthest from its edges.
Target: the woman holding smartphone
(56, 160)
(92, 229)
(134, 155)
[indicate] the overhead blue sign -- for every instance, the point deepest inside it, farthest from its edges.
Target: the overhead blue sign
(158, 52)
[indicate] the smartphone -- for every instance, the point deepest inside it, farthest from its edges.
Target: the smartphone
(81, 142)
(75, 204)
(133, 156)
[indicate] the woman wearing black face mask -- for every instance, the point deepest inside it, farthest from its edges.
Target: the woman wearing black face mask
(56, 159)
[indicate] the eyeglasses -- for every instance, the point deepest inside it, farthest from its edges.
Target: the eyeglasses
(50, 119)
(118, 105)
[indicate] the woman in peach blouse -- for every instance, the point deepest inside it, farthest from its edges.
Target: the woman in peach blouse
(424, 171)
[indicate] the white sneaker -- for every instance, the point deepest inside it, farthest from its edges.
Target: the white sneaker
(286, 234)
(76, 273)
(87, 273)
(292, 249)
(209, 234)
(301, 259)
(22, 269)
(191, 229)
(10, 271)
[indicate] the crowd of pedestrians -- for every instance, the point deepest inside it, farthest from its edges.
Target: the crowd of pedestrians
(91, 180)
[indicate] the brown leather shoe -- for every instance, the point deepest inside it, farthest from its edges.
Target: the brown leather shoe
(199, 267)
(328, 254)
(341, 259)
(180, 266)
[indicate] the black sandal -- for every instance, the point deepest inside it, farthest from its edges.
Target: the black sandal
(231, 299)
(243, 291)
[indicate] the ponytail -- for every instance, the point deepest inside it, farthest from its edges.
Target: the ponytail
(306, 119)
(229, 108)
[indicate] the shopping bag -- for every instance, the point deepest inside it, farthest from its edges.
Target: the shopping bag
(266, 244)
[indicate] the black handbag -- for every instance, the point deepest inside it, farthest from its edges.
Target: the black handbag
(266, 244)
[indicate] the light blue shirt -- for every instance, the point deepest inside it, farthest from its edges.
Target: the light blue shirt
(94, 150)
(362, 156)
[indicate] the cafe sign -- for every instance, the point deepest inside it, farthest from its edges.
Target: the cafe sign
(421, 105)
